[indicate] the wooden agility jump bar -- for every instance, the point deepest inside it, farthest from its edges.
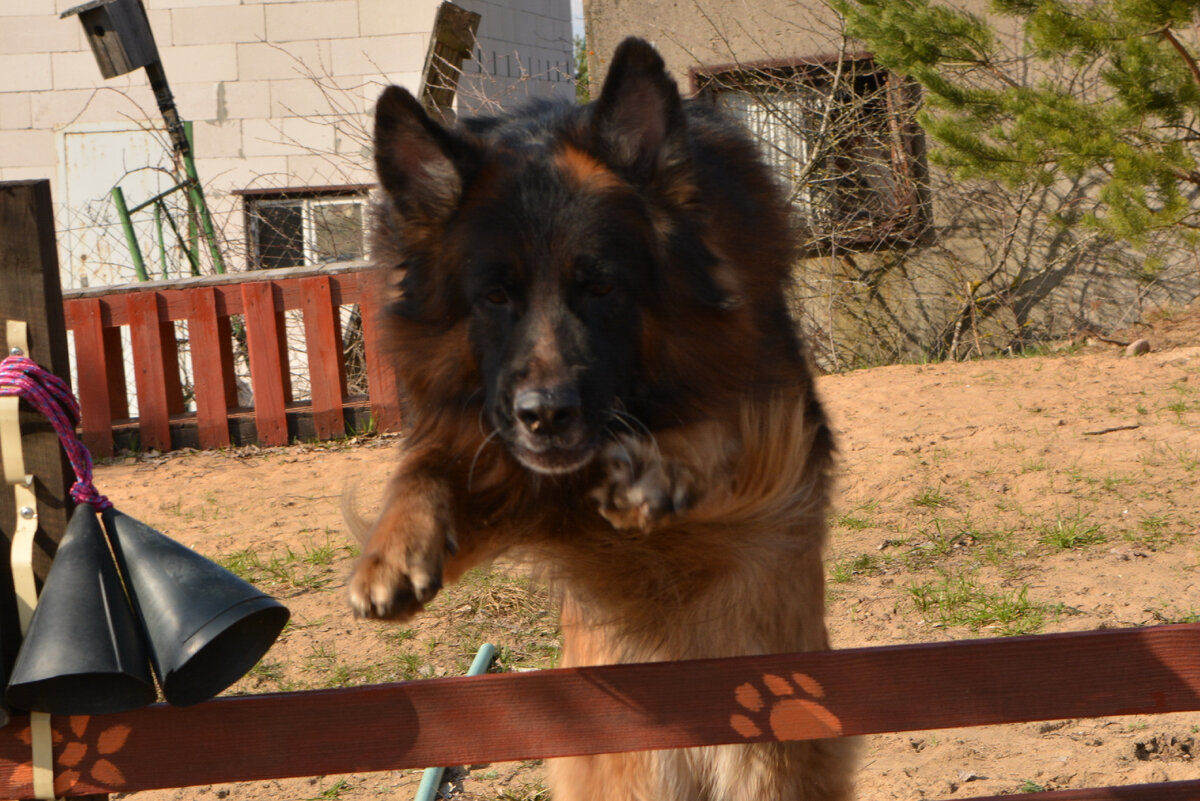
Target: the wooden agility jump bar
(622, 708)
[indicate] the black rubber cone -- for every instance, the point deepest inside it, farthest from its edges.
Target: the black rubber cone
(84, 653)
(206, 627)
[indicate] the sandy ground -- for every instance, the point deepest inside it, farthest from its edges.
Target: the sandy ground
(1036, 494)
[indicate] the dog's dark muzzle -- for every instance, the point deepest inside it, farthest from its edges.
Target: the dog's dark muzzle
(551, 434)
(548, 413)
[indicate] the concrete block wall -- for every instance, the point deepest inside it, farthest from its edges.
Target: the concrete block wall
(279, 91)
(525, 49)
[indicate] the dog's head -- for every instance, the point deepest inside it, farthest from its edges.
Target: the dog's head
(538, 238)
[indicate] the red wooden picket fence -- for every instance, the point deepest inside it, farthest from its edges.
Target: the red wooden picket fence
(594, 710)
(209, 307)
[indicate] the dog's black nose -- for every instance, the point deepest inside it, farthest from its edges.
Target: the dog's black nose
(547, 412)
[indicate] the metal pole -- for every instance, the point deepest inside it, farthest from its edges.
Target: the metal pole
(162, 244)
(193, 227)
(193, 256)
(179, 139)
(431, 779)
(135, 253)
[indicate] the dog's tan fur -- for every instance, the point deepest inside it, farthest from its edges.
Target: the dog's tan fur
(740, 573)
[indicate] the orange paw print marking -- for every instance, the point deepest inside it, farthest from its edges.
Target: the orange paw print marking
(83, 754)
(789, 708)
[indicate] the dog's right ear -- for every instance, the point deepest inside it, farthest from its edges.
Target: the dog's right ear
(419, 163)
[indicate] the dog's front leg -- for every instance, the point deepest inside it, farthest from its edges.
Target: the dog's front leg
(404, 552)
(652, 480)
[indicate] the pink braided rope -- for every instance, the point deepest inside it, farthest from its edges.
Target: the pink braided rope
(51, 396)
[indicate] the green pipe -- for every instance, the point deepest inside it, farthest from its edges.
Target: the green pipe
(197, 197)
(193, 256)
(162, 244)
(431, 779)
(135, 253)
(157, 198)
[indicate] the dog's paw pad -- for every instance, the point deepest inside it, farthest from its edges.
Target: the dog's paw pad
(789, 708)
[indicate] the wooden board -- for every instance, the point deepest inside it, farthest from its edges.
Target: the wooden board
(381, 375)
(150, 371)
(212, 376)
(91, 357)
(1162, 791)
(326, 363)
(30, 291)
(263, 336)
(621, 708)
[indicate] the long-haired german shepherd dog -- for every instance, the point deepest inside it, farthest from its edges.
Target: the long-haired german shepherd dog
(602, 376)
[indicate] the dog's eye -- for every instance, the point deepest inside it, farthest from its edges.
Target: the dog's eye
(599, 289)
(497, 297)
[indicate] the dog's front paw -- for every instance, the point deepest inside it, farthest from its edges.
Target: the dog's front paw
(640, 488)
(399, 572)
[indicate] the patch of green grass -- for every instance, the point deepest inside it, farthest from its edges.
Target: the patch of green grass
(534, 791)
(1179, 408)
(394, 635)
(930, 498)
(1188, 460)
(246, 564)
(313, 568)
(1030, 786)
(271, 675)
(1110, 482)
(333, 791)
(510, 611)
(851, 522)
(1070, 533)
(959, 600)
(844, 570)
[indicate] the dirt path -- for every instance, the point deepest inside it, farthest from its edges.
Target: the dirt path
(1021, 495)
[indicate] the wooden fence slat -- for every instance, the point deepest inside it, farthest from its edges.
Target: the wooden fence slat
(621, 708)
(114, 360)
(212, 373)
(383, 386)
(326, 362)
(170, 359)
(266, 363)
(91, 359)
(151, 360)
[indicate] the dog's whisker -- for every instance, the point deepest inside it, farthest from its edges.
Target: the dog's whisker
(639, 430)
(478, 451)
(617, 441)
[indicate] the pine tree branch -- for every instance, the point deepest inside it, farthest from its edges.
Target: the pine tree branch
(1183, 53)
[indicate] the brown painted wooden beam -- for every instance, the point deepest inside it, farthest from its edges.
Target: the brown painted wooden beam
(621, 708)
(1161, 791)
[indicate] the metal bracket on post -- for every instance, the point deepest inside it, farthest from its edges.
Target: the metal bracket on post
(41, 740)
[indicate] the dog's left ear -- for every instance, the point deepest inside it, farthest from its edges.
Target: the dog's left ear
(638, 122)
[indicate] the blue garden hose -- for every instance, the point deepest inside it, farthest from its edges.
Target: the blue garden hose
(431, 779)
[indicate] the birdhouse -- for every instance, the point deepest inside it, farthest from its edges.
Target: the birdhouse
(119, 34)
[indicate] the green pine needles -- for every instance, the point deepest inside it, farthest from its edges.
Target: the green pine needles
(1101, 92)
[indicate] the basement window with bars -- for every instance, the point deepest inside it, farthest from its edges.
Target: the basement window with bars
(305, 227)
(842, 136)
